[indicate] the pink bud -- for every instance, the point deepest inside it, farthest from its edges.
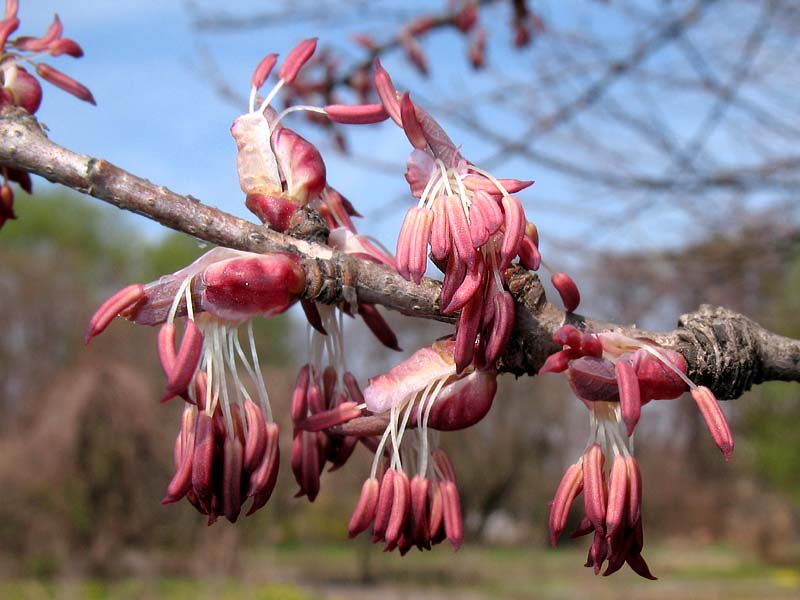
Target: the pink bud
(463, 403)
(166, 347)
(275, 211)
(440, 232)
(459, 229)
(567, 289)
(296, 59)
(266, 284)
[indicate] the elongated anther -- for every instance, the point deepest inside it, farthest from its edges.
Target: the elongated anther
(383, 510)
(451, 509)
(568, 488)
(203, 460)
(65, 82)
(353, 389)
(594, 494)
(479, 182)
(440, 232)
(123, 299)
(468, 324)
(435, 512)
(617, 499)
(502, 325)
(267, 473)
(634, 512)
(299, 395)
(469, 287)
(418, 257)
(364, 512)
(326, 419)
(356, 114)
(405, 240)
(232, 478)
(378, 326)
(387, 92)
(66, 46)
(630, 401)
(401, 504)
(296, 59)
(514, 225)
(263, 70)
(256, 439)
(459, 230)
(185, 362)
(166, 347)
(411, 125)
(181, 482)
(715, 419)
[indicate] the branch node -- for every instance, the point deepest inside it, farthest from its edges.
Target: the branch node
(722, 350)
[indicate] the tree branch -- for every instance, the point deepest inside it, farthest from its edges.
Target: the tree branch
(725, 350)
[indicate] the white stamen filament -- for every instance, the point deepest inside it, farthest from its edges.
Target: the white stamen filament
(490, 177)
(298, 108)
(273, 92)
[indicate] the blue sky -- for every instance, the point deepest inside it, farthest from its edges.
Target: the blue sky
(159, 116)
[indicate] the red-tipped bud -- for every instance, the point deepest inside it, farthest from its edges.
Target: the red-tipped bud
(263, 70)
(567, 289)
(65, 82)
(296, 59)
(715, 420)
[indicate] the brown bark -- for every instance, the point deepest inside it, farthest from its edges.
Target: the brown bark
(725, 350)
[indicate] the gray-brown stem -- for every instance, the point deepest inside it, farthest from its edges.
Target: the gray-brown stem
(724, 350)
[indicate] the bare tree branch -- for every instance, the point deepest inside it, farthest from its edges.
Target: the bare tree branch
(724, 350)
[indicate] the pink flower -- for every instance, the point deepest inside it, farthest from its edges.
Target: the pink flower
(411, 496)
(227, 449)
(615, 375)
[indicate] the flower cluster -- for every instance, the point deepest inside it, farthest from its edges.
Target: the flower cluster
(615, 375)
(474, 227)
(227, 449)
(19, 88)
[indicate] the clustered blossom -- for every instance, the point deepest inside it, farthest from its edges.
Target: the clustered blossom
(615, 375)
(474, 227)
(19, 88)
(227, 448)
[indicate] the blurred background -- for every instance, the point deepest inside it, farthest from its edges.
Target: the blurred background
(663, 140)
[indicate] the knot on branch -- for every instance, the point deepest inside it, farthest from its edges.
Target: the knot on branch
(532, 338)
(722, 349)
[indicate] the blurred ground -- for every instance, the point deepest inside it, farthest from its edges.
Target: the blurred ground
(332, 572)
